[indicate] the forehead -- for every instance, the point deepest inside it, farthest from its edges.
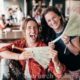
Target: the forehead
(31, 23)
(50, 14)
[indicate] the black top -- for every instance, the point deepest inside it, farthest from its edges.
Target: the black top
(66, 57)
(71, 61)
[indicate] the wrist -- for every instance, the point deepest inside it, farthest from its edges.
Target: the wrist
(55, 59)
(67, 43)
(18, 56)
(58, 67)
(56, 63)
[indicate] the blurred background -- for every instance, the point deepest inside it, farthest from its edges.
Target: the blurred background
(13, 13)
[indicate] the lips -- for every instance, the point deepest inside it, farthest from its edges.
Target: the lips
(33, 36)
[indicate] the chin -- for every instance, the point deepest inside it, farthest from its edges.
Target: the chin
(33, 41)
(56, 27)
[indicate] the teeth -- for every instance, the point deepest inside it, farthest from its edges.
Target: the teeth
(32, 35)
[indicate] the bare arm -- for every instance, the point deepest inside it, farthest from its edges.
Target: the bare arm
(55, 66)
(11, 55)
(72, 45)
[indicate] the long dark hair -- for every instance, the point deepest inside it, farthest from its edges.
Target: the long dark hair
(56, 11)
(47, 32)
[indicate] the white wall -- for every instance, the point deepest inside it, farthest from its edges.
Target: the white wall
(1, 7)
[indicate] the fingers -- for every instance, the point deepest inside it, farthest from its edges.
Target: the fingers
(66, 39)
(26, 55)
(51, 45)
(53, 52)
(54, 55)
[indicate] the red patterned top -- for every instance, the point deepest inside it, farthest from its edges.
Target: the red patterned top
(34, 67)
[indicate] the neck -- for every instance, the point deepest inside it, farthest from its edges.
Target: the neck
(31, 44)
(60, 29)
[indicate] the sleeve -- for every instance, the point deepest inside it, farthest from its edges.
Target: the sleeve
(72, 37)
(18, 43)
(8, 47)
(52, 69)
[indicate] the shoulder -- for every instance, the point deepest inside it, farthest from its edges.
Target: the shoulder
(41, 43)
(19, 43)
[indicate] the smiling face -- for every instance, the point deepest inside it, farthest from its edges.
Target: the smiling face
(53, 20)
(32, 31)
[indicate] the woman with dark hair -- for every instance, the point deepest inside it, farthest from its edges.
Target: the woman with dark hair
(47, 31)
(34, 71)
(53, 25)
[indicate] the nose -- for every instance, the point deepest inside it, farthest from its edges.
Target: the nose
(52, 22)
(32, 30)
